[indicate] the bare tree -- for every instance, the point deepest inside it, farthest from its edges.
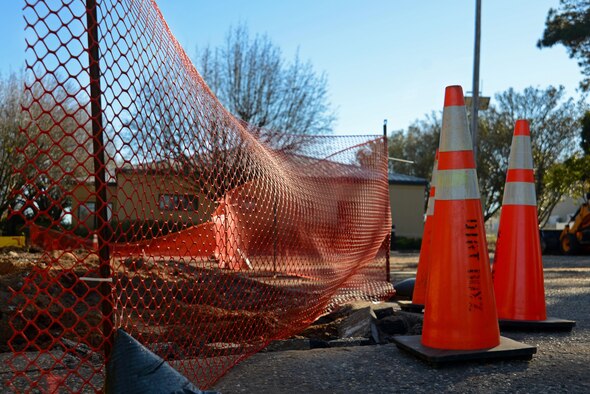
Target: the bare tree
(251, 79)
(11, 119)
(210, 130)
(42, 149)
(197, 138)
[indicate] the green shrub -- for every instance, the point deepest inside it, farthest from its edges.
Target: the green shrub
(406, 244)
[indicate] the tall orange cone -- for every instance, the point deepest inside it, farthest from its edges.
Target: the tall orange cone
(460, 311)
(419, 295)
(518, 265)
(460, 318)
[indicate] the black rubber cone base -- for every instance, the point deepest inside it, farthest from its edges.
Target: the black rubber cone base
(132, 368)
(508, 349)
(408, 306)
(550, 324)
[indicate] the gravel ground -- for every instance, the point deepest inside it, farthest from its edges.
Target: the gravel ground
(561, 364)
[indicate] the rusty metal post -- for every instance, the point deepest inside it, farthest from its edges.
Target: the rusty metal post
(100, 182)
(275, 235)
(387, 266)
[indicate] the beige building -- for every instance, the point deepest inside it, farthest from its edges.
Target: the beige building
(407, 202)
(84, 203)
(139, 193)
(152, 192)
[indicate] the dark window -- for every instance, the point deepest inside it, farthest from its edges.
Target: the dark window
(178, 202)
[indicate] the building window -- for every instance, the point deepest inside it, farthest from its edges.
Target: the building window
(178, 202)
(88, 209)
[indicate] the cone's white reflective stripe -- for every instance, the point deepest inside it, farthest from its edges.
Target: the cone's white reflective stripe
(434, 171)
(455, 135)
(457, 185)
(430, 206)
(521, 156)
(519, 193)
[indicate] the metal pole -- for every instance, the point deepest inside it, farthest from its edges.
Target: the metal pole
(475, 100)
(387, 267)
(275, 234)
(100, 183)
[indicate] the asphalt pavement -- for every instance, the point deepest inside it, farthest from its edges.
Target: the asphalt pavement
(561, 365)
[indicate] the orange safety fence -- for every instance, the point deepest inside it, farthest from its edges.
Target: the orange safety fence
(203, 237)
(50, 239)
(196, 240)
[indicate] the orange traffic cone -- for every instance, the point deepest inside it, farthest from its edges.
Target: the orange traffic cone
(460, 318)
(419, 294)
(518, 266)
(460, 270)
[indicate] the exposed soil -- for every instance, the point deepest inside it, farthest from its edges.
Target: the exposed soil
(158, 300)
(47, 308)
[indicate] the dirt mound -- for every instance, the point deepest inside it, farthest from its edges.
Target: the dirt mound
(47, 302)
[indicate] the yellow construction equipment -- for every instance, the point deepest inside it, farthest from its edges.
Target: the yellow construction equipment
(12, 241)
(575, 237)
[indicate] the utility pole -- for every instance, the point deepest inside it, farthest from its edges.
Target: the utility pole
(475, 100)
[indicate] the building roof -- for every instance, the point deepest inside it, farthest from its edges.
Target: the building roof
(395, 178)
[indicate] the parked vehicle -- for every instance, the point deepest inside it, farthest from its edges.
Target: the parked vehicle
(550, 243)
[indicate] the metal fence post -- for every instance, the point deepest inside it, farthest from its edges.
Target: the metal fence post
(100, 182)
(387, 268)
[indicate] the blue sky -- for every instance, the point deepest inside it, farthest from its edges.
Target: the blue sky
(384, 58)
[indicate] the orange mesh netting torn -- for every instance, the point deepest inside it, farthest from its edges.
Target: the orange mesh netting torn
(159, 212)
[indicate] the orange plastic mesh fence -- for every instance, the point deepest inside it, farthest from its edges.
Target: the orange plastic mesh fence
(161, 213)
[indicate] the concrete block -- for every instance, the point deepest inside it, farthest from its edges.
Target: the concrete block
(383, 310)
(357, 324)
